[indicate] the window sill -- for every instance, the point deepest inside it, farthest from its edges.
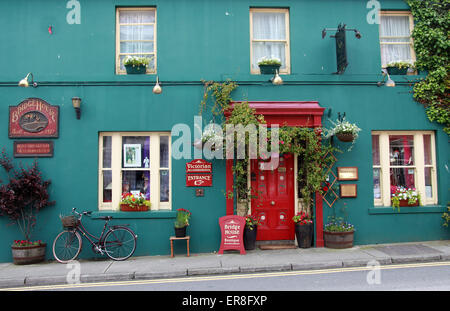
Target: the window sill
(162, 214)
(408, 210)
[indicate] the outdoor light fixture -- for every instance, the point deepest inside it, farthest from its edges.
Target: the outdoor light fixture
(389, 82)
(157, 88)
(76, 103)
(24, 81)
(276, 80)
(324, 31)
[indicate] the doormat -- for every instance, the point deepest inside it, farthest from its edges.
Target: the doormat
(277, 246)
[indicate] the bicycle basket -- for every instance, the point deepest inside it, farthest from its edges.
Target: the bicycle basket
(69, 221)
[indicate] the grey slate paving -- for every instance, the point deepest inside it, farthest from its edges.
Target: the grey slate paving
(154, 267)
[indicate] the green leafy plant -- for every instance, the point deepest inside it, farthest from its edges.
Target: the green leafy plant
(343, 127)
(446, 217)
(219, 94)
(136, 61)
(183, 216)
(269, 61)
(432, 48)
(337, 224)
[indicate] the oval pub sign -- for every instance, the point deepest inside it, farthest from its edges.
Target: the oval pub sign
(33, 117)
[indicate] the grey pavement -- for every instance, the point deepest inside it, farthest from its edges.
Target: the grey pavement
(152, 267)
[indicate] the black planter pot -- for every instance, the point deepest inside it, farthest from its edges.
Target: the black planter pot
(250, 238)
(180, 232)
(304, 234)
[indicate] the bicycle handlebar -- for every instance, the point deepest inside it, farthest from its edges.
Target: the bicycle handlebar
(83, 213)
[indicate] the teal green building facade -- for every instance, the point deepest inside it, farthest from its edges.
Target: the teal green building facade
(72, 53)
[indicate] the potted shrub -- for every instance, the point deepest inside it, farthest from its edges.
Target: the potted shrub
(181, 222)
(136, 65)
(404, 197)
(303, 229)
(398, 68)
(250, 231)
(344, 131)
(269, 66)
(20, 200)
(338, 233)
(134, 203)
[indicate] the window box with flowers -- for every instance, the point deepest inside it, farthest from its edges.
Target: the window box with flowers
(269, 66)
(250, 231)
(134, 203)
(303, 229)
(136, 65)
(399, 68)
(402, 197)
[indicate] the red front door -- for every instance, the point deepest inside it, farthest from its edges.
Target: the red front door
(274, 201)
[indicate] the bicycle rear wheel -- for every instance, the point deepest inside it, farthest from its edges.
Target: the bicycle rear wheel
(67, 246)
(119, 243)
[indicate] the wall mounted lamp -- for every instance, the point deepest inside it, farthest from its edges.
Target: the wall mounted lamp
(24, 81)
(157, 88)
(389, 82)
(76, 103)
(276, 79)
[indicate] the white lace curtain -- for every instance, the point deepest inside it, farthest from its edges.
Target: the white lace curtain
(395, 41)
(269, 37)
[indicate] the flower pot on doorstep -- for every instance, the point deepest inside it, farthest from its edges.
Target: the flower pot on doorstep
(24, 255)
(250, 238)
(136, 208)
(338, 239)
(180, 232)
(135, 69)
(304, 234)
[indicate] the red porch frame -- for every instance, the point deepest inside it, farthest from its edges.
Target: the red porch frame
(283, 113)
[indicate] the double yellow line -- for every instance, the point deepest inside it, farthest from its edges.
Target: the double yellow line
(229, 277)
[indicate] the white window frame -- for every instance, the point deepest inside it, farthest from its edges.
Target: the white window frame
(286, 70)
(411, 28)
(116, 169)
(419, 166)
(118, 53)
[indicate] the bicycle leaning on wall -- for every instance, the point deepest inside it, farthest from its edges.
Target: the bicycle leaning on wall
(118, 242)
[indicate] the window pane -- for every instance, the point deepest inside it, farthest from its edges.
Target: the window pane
(136, 32)
(395, 53)
(402, 177)
(376, 183)
(394, 26)
(401, 149)
(107, 151)
(164, 186)
(428, 185)
(427, 149)
(376, 149)
(136, 151)
(107, 186)
(136, 17)
(269, 26)
(136, 182)
(136, 47)
(164, 151)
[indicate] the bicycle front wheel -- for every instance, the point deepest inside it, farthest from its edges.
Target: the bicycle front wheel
(119, 243)
(67, 246)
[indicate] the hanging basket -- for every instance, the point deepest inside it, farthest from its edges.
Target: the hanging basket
(345, 137)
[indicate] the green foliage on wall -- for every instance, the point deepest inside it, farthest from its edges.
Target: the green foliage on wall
(432, 47)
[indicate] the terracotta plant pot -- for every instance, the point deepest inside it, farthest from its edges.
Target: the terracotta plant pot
(304, 234)
(250, 238)
(338, 239)
(404, 203)
(26, 255)
(129, 208)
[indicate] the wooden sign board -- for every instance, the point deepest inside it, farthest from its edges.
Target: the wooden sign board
(33, 118)
(347, 173)
(232, 230)
(25, 149)
(348, 190)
